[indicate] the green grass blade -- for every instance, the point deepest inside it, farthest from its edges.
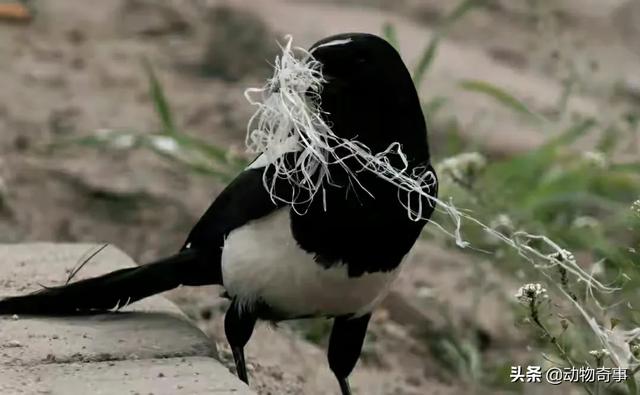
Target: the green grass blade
(501, 96)
(389, 33)
(159, 99)
(426, 60)
(429, 54)
(431, 107)
(632, 167)
(573, 133)
(461, 10)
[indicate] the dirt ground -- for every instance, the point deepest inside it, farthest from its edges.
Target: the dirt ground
(76, 68)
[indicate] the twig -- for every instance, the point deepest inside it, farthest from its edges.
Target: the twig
(75, 271)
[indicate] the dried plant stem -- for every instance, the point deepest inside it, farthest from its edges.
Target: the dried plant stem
(535, 317)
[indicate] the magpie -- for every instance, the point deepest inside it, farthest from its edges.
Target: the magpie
(333, 253)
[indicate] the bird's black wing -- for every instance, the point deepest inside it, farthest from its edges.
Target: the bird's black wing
(243, 200)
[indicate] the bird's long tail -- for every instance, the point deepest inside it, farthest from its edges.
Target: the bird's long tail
(117, 288)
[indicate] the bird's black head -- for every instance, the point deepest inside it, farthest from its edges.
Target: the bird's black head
(369, 94)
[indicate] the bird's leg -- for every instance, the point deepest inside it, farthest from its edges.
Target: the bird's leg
(238, 327)
(345, 344)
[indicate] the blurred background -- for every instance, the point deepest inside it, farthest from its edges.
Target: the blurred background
(121, 120)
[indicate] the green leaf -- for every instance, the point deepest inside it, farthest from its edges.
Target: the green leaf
(159, 99)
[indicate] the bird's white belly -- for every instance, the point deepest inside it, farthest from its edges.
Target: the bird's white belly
(262, 261)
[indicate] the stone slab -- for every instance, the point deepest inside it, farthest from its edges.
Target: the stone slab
(104, 337)
(26, 267)
(169, 376)
(150, 347)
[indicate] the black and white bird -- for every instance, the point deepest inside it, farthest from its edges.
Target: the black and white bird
(282, 251)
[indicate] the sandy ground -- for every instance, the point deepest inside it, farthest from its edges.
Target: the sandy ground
(76, 68)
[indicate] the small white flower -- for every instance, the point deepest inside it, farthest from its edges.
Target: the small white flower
(585, 222)
(595, 159)
(104, 134)
(164, 144)
(598, 268)
(562, 256)
(635, 350)
(599, 354)
(502, 221)
(530, 293)
(635, 207)
(123, 141)
(463, 165)
(115, 139)
(426, 292)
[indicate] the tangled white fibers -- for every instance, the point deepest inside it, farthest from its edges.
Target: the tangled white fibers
(289, 119)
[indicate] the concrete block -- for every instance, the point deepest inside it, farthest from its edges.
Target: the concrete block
(26, 267)
(148, 348)
(104, 337)
(170, 376)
